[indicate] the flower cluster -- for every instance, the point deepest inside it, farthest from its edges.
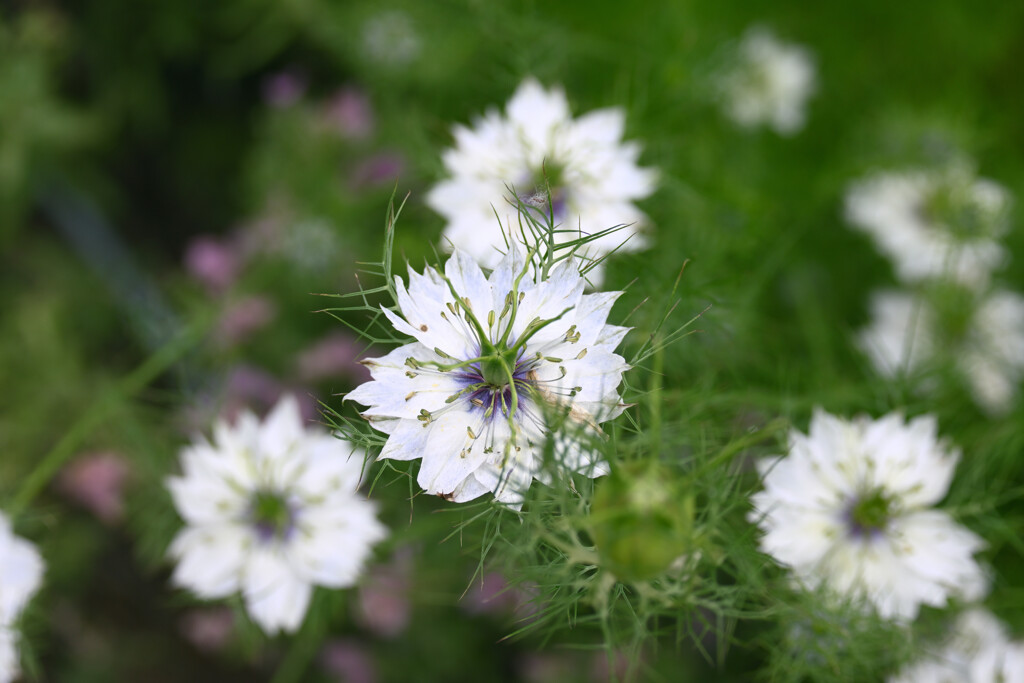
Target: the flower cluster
(271, 510)
(850, 507)
(21, 573)
(495, 361)
(941, 230)
(768, 83)
(540, 152)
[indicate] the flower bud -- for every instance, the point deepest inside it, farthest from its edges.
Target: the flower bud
(641, 521)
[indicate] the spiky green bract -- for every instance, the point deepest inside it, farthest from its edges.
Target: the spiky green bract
(813, 638)
(694, 601)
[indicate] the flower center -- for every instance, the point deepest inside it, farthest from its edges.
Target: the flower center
(545, 184)
(491, 382)
(953, 208)
(495, 371)
(870, 514)
(271, 516)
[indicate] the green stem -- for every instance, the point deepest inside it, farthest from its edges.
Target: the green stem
(138, 379)
(303, 648)
(655, 402)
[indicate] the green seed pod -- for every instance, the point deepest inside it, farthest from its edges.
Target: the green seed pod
(641, 521)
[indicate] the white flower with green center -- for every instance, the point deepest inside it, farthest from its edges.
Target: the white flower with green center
(769, 83)
(494, 361)
(271, 510)
(977, 651)
(933, 224)
(537, 145)
(982, 336)
(21, 573)
(850, 507)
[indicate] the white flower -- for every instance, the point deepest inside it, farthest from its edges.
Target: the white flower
(899, 338)
(977, 651)
(390, 39)
(494, 359)
(271, 510)
(21, 573)
(850, 508)
(593, 176)
(985, 340)
(769, 83)
(933, 224)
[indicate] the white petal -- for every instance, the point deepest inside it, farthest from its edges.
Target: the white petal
(210, 559)
(451, 453)
(275, 596)
(332, 546)
(282, 429)
(398, 390)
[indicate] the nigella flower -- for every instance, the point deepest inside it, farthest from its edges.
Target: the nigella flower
(271, 510)
(981, 335)
(933, 224)
(976, 651)
(850, 507)
(21, 573)
(769, 83)
(535, 147)
(493, 362)
(390, 39)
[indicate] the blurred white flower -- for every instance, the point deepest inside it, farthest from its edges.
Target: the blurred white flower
(390, 38)
(977, 651)
(494, 359)
(933, 224)
(21, 573)
(985, 341)
(768, 83)
(850, 508)
(592, 174)
(271, 510)
(311, 245)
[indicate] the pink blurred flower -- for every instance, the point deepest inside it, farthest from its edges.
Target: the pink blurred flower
(379, 169)
(382, 605)
(549, 667)
(349, 113)
(263, 233)
(489, 594)
(96, 481)
(348, 662)
(208, 628)
(240, 319)
(333, 356)
(214, 263)
(493, 594)
(617, 669)
(284, 88)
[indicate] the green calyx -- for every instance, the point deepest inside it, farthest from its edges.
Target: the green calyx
(550, 176)
(871, 513)
(641, 522)
(496, 369)
(952, 207)
(271, 514)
